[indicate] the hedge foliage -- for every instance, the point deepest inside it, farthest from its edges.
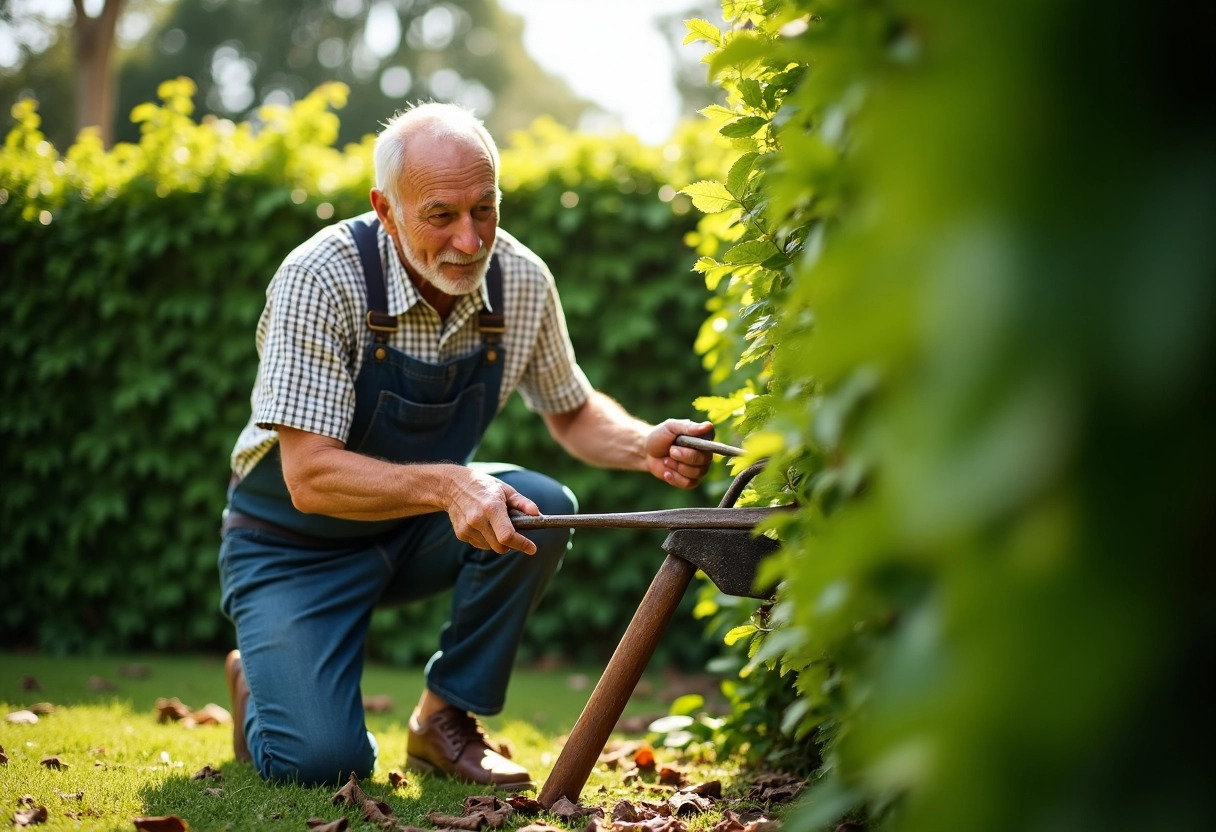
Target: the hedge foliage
(132, 281)
(963, 261)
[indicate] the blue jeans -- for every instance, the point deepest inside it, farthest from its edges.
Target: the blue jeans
(302, 615)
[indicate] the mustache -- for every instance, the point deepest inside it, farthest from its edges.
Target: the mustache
(460, 259)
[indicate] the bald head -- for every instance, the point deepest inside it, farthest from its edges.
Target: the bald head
(421, 127)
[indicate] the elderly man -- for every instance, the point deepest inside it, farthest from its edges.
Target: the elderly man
(386, 346)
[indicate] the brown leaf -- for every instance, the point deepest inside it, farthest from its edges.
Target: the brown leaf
(160, 823)
(568, 811)
(215, 792)
(686, 804)
(495, 811)
(206, 773)
(625, 812)
(470, 824)
(730, 823)
(775, 787)
(133, 671)
(616, 752)
(672, 776)
(170, 710)
(101, 684)
(3, 757)
(643, 758)
(378, 703)
(212, 714)
(350, 794)
(397, 779)
(42, 708)
(71, 796)
(30, 683)
(25, 800)
(319, 825)
(30, 816)
(51, 761)
(22, 718)
(375, 811)
(525, 805)
(710, 788)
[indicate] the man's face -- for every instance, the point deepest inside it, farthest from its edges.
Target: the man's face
(448, 217)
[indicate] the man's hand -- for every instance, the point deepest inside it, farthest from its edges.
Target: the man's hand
(478, 507)
(675, 464)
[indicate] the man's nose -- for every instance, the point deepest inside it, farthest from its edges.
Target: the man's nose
(465, 238)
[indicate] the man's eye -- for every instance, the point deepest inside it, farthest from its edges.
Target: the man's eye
(484, 211)
(443, 216)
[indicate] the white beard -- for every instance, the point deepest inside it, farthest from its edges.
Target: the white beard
(450, 285)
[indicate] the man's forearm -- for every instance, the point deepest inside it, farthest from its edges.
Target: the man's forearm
(602, 433)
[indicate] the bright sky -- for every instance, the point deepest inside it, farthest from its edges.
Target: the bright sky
(611, 53)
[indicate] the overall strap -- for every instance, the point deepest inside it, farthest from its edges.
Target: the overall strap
(491, 323)
(378, 320)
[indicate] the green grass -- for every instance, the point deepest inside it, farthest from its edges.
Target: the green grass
(127, 764)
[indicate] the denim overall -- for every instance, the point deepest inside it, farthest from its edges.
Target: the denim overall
(300, 588)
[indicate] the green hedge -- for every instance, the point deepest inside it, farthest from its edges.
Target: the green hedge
(132, 283)
(964, 264)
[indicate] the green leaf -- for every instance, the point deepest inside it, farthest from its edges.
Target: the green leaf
(737, 633)
(699, 29)
(744, 127)
(752, 93)
(710, 197)
(740, 171)
(687, 704)
(751, 252)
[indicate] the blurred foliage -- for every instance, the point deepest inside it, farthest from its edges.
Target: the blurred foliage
(243, 55)
(132, 283)
(963, 262)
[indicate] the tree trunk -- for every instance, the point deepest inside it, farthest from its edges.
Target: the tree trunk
(94, 68)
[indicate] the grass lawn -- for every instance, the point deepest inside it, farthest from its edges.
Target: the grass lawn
(121, 763)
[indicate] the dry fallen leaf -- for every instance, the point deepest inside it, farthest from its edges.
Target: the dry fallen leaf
(3, 757)
(378, 703)
(494, 811)
(71, 796)
(160, 823)
(215, 792)
(30, 816)
(568, 811)
(212, 714)
(22, 718)
(672, 776)
(397, 779)
(775, 787)
(470, 824)
(51, 761)
(525, 805)
(100, 684)
(206, 773)
(319, 825)
(540, 827)
(730, 823)
(350, 794)
(643, 758)
(686, 804)
(42, 708)
(170, 710)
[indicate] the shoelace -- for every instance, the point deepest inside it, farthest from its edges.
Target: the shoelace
(458, 729)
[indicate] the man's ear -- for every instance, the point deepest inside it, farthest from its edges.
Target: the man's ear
(384, 211)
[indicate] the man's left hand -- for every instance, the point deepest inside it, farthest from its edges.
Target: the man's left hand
(675, 464)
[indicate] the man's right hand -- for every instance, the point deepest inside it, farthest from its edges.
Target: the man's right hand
(478, 507)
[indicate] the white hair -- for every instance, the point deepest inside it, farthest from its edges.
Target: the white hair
(432, 118)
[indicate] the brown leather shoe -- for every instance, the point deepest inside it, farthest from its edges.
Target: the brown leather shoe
(451, 742)
(238, 693)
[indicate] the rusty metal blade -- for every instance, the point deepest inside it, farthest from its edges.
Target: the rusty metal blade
(672, 518)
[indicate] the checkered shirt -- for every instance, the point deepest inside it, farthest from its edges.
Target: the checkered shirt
(313, 331)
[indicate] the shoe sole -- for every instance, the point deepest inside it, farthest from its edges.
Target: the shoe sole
(419, 764)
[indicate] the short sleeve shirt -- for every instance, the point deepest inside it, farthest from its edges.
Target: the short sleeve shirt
(312, 334)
